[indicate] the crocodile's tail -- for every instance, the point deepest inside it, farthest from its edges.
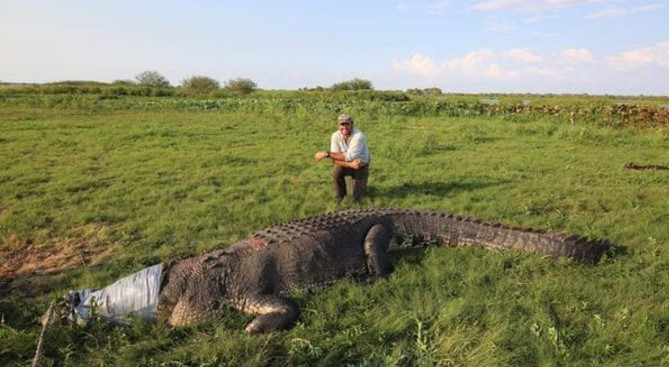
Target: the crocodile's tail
(419, 228)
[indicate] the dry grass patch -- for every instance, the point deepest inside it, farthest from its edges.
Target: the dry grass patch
(28, 268)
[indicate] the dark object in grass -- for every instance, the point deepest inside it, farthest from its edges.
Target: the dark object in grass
(644, 167)
(257, 274)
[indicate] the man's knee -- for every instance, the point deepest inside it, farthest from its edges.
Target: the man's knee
(359, 189)
(337, 171)
(360, 183)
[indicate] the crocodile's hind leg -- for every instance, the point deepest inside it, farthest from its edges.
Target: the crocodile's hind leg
(274, 313)
(376, 246)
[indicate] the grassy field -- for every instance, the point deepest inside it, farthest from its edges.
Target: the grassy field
(89, 194)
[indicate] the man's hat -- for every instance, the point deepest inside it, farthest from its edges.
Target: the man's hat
(344, 119)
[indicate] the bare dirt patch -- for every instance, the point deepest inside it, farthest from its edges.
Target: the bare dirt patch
(29, 269)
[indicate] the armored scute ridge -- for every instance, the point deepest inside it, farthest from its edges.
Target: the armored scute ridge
(257, 274)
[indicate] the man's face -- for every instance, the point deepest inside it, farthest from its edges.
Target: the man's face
(345, 128)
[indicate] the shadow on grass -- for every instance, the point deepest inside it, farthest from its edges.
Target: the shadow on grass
(429, 188)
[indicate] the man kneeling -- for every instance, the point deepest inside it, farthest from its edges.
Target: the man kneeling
(350, 154)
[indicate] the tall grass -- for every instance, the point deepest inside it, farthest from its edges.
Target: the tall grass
(159, 184)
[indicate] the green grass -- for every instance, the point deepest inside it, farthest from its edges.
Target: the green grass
(163, 184)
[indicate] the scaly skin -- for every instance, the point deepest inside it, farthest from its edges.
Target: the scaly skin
(257, 274)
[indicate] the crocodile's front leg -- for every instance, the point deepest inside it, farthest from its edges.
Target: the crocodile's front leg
(274, 313)
(376, 246)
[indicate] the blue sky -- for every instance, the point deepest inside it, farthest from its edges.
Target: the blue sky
(472, 46)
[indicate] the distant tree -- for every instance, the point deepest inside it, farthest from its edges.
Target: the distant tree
(434, 91)
(123, 82)
(200, 84)
(152, 78)
(314, 89)
(430, 92)
(241, 85)
(353, 84)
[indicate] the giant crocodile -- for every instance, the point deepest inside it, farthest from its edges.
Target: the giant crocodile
(257, 275)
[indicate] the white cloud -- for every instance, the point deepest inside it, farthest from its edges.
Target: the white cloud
(577, 55)
(487, 64)
(663, 54)
(531, 5)
(656, 55)
(607, 13)
(501, 5)
(642, 70)
(491, 64)
(471, 62)
(418, 64)
(618, 12)
(497, 72)
(526, 5)
(525, 55)
(651, 7)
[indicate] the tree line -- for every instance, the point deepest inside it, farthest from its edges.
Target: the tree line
(153, 83)
(198, 84)
(201, 84)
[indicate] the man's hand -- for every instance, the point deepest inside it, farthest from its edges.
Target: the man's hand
(357, 164)
(321, 155)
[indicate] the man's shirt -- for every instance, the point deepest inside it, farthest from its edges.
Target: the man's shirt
(355, 149)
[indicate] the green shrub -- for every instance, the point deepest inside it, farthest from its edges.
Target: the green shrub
(152, 78)
(241, 85)
(353, 84)
(200, 84)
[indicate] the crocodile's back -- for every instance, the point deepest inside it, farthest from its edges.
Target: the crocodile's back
(343, 232)
(307, 254)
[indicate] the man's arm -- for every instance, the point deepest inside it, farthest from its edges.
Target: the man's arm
(320, 155)
(339, 159)
(356, 164)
